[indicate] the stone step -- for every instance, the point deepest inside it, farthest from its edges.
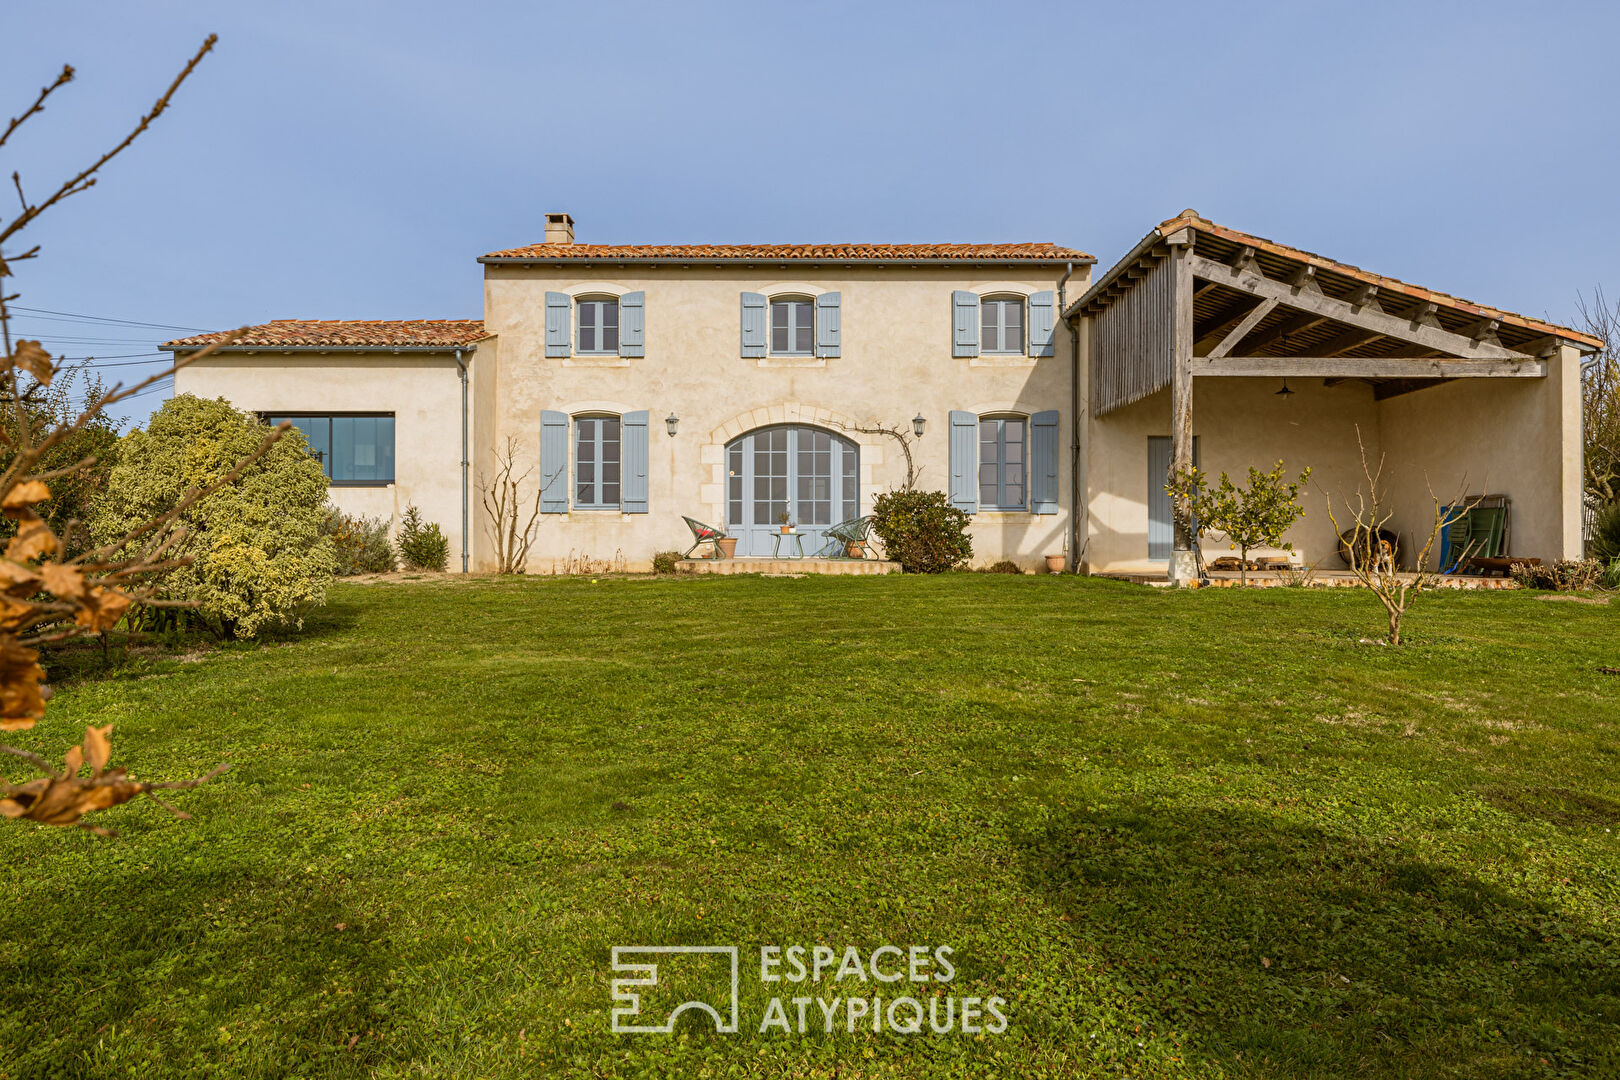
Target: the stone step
(751, 565)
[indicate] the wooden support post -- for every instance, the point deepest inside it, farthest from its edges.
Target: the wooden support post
(1183, 560)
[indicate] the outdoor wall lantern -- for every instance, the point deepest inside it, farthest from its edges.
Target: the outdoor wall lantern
(671, 422)
(917, 425)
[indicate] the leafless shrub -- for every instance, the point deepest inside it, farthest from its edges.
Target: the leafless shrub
(1296, 577)
(1600, 398)
(1372, 559)
(577, 563)
(504, 503)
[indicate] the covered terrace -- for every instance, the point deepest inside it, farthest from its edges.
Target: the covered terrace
(1214, 346)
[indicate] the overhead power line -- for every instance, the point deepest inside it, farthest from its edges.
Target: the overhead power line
(105, 319)
(155, 388)
(114, 356)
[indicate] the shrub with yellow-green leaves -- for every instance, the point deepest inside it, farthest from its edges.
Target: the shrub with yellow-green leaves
(259, 558)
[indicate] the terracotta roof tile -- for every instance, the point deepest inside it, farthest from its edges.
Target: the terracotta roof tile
(347, 333)
(1190, 218)
(1042, 252)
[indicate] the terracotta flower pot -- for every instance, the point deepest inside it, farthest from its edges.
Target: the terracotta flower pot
(728, 547)
(1055, 563)
(787, 530)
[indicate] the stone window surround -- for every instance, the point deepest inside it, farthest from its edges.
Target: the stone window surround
(712, 454)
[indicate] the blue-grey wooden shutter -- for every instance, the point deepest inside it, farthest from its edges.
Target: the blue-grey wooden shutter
(1043, 462)
(633, 458)
(829, 328)
(964, 324)
(755, 323)
(1042, 320)
(559, 306)
(633, 324)
(553, 462)
(965, 461)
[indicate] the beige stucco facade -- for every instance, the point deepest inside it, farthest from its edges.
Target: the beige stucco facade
(421, 389)
(895, 363)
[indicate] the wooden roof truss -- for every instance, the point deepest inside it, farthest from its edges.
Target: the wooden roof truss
(1260, 314)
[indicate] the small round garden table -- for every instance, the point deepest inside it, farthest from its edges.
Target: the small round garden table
(798, 545)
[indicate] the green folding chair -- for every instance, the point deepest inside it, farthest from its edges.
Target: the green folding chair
(703, 534)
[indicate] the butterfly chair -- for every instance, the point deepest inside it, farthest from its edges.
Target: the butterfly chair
(704, 534)
(845, 534)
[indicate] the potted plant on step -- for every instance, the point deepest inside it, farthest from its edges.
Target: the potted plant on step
(785, 521)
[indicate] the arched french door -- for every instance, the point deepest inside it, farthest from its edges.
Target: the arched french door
(808, 473)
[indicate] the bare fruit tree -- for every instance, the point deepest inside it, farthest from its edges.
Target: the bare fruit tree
(46, 596)
(505, 503)
(1373, 560)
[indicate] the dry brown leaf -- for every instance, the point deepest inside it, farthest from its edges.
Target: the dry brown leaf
(51, 800)
(34, 538)
(17, 579)
(64, 581)
(17, 501)
(64, 799)
(102, 609)
(21, 699)
(32, 358)
(15, 615)
(98, 747)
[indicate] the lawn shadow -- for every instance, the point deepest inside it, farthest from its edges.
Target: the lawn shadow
(213, 963)
(1278, 948)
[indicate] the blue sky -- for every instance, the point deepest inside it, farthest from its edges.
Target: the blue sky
(351, 160)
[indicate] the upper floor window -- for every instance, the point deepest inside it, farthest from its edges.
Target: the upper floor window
(599, 325)
(1002, 463)
(1001, 325)
(606, 325)
(355, 451)
(596, 462)
(793, 326)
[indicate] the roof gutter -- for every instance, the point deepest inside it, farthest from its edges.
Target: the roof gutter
(178, 349)
(705, 260)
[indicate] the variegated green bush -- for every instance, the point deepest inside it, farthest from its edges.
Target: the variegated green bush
(260, 559)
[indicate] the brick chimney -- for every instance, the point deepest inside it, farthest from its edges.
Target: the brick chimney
(559, 229)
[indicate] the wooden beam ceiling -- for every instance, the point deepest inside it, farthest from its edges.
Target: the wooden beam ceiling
(1417, 327)
(1296, 325)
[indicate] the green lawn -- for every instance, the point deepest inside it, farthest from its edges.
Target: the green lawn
(1182, 834)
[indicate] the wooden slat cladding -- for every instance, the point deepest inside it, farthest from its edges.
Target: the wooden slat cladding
(1132, 342)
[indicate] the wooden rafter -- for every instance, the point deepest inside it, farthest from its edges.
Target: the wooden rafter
(1241, 330)
(1298, 324)
(1353, 338)
(1416, 327)
(1369, 367)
